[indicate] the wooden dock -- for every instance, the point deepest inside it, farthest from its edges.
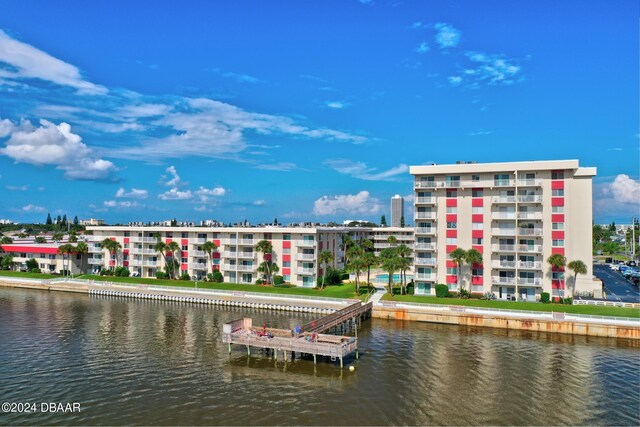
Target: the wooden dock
(310, 339)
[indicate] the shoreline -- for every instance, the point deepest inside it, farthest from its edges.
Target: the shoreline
(553, 322)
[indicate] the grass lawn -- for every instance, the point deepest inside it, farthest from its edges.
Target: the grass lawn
(513, 305)
(346, 290)
(29, 275)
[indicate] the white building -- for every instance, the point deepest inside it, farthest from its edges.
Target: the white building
(397, 210)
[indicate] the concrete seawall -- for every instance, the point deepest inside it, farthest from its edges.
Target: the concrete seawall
(555, 322)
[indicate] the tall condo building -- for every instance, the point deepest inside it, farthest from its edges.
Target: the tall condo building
(516, 215)
(397, 210)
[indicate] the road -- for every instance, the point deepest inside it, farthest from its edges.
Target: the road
(616, 287)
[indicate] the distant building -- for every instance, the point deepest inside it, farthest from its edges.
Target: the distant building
(92, 221)
(397, 210)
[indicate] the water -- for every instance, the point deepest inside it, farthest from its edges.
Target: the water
(396, 278)
(146, 362)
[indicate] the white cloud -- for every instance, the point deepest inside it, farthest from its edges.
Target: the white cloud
(360, 170)
(620, 197)
(259, 203)
(205, 194)
(447, 36)
(25, 61)
(242, 78)
(282, 166)
(361, 203)
(423, 48)
(336, 105)
(175, 179)
(17, 187)
(32, 208)
(175, 194)
(479, 132)
(145, 110)
(122, 204)
(133, 194)
(455, 80)
(57, 145)
(417, 25)
(490, 69)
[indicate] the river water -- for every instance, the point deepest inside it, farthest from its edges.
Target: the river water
(148, 362)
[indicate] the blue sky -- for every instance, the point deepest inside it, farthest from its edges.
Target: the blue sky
(303, 110)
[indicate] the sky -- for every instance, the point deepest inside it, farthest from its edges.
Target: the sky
(304, 110)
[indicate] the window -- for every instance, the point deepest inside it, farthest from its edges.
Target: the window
(557, 209)
(557, 175)
(126, 246)
(452, 225)
(184, 260)
(452, 271)
(451, 209)
(453, 181)
(286, 278)
(185, 235)
(477, 209)
(557, 225)
(427, 179)
(477, 271)
(452, 240)
(476, 193)
(558, 243)
(286, 263)
(557, 193)
(557, 275)
(477, 241)
(185, 247)
(169, 235)
(267, 236)
(126, 234)
(452, 193)
(286, 250)
(477, 226)
(475, 178)
(286, 237)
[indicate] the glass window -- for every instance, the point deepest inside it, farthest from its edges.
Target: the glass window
(452, 240)
(557, 193)
(286, 263)
(477, 209)
(452, 193)
(184, 260)
(452, 271)
(475, 177)
(476, 193)
(477, 226)
(185, 247)
(557, 175)
(557, 275)
(286, 237)
(452, 225)
(558, 243)
(557, 209)
(286, 250)
(185, 235)
(477, 241)
(477, 272)
(557, 226)
(451, 209)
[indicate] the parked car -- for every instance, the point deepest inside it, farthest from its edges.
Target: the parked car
(614, 267)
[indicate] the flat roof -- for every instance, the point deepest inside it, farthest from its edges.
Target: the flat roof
(530, 165)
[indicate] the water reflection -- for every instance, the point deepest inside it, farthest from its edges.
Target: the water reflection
(151, 362)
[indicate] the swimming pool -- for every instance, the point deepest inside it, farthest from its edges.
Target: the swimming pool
(384, 278)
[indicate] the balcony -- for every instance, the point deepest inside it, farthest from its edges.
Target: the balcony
(530, 182)
(425, 276)
(246, 242)
(198, 254)
(199, 266)
(530, 265)
(503, 215)
(503, 231)
(496, 280)
(530, 199)
(503, 264)
(94, 250)
(424, 246)
(96, 261)
(529, 215)
(424, 215)
(143, 240)
(503, 182)
(503, 199)
(530, 232)
(452, 184)
(424, 261)
(425, 200)
(504, 248)
(430, 231)
(424, 184)
(245, 267)
(306, 243)
(198, 241)
(530, 281)
(150, 263)
(229, 241)
(135, 250)
(530, 248)
(229, 254)
(246, 255)
(149, 252)
(306, 257)
(306, 271)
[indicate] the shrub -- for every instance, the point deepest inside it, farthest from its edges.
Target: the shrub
(453, 294)
(442, 291)
(259, 282)
(544, 297)
(185, 276)
(476, 296)
(32, 264)
(122, 272)
(568, 301)
(465, 294)
(278, 280)
(35, 270)
(333, 277)
(106, 272)
(488, 296)
(344, 276)
(217, 277)
(161, 275)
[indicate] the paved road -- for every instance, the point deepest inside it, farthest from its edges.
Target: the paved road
(616, 286)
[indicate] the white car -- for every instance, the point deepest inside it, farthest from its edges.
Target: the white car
(614, 267)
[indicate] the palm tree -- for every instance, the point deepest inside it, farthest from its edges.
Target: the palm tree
(353, 252)
(66, 249)
(266, 248)
(324, 258)
(40, 240)
(392, 240)
(161, 248)
(73, 238)
(389, 262)
(557, 261)
(370, 260)
(57, 237)
(174, 248)
(404, 252)
(268, 267)
(459, 256)
(82, 248)
(210, 248)
(578, 267)
(4, 240)
(473, 257)
(612, 248)
(107, 244)
(356, 265)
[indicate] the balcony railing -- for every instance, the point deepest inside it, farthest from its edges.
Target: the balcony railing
(425, 215)
(426, 230)
(504, 248)
(424, 261)
(503, 182)
(503, 199)
(530, 232)
(198, 254)
(425, 276)
(246, 255)
(149, 252)
(424, 184)
(530, 182)
(530, 281)
(229, 241)
(425, 200)
(95, 261)
(150, 263)
(246, 241)
(529, 215)
(306, 243)
(503, 215)
(306, 271)
(530, 248)
(530, 199)
(530, 265)
(503, 264)
(229, 254)
(307, 257)
(496, 280)
(198, 241)
(143, 240)
(452, 184)
(244, 267)
(424, 246)
(199, 266)
(503, 231)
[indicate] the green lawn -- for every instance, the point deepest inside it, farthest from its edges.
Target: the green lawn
(340, 291)
(513, 305)
(29, 275)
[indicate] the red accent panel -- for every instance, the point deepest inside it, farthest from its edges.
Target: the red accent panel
(452, 279)
(267, 257)
(184, 267)
(184, 242)
(215, 255)
(477, 218)
(452, 203)
(452, 233)
(29, 249)
(216, 267)
(125, 251)
(557, 217)
(477, 265)
(320, 246)
(451, 248)
(557, 185)
(126, 240)
(558, 234)
(477, 202)
(477, 280)
(217, 242)
(286, 257)
(478, 248)
(452, 218)
(286, 270)
(168, 241)
(184, 253)
(477, 234)
(557, 251)
(125, 263)
(557, 201)
(451, 264)
(286, 244)
(112, 262)
(112, 238)
(557, 284)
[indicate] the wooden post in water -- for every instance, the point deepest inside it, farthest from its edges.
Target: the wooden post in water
(229, 348)
(248, 351)
(314, 358)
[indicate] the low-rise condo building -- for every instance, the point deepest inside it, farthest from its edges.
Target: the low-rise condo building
(515, 214)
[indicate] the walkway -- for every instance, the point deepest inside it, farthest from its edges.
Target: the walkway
(381, 289)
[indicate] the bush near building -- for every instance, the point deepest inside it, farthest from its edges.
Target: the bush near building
(544, 297)
(442, 291)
